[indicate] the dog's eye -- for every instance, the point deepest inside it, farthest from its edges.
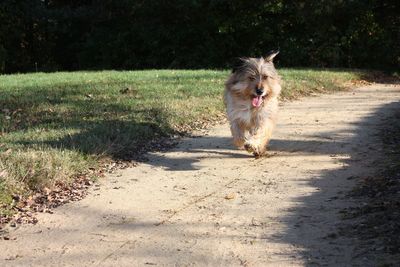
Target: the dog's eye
(252, 78)
(264, 77)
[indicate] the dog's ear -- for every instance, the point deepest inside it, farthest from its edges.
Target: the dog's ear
(271, 55)
(237, 64)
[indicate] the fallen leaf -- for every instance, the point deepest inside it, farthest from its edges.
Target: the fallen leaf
(230, 196)
(3, 173)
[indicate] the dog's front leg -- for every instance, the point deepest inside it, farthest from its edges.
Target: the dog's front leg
(237, 133)
(259, 139)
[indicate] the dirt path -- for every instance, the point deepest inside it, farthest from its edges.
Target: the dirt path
(205, 203)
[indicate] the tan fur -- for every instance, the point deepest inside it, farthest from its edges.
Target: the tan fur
(251, 126)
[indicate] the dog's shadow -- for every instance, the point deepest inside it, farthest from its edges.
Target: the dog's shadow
(189, 153)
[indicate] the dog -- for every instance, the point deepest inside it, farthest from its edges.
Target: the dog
(251, 101)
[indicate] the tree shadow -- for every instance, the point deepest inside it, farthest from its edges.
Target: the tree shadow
(332, 246)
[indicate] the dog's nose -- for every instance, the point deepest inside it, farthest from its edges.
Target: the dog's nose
(259, 91)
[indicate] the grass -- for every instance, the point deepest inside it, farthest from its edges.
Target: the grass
(54, 127)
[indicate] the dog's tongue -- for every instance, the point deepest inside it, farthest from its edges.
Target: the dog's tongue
(257, 101)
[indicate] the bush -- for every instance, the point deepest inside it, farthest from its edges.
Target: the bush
(133, 34)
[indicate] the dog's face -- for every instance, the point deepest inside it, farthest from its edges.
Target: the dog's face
(255, 79)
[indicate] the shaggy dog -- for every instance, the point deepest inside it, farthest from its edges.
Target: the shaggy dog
(251, 100)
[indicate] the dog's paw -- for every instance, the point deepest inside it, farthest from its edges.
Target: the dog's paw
(258, 154)
(255, 150)
(251, 148)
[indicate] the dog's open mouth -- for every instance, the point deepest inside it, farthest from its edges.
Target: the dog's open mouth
(257, 101)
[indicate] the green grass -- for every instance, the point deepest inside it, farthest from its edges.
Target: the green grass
(56, 126)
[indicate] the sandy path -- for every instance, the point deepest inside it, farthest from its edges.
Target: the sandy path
(205, 203)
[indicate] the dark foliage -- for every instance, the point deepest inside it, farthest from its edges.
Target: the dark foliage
(130, 34)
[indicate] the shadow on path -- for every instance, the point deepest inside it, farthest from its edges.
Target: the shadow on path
(362, 151)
